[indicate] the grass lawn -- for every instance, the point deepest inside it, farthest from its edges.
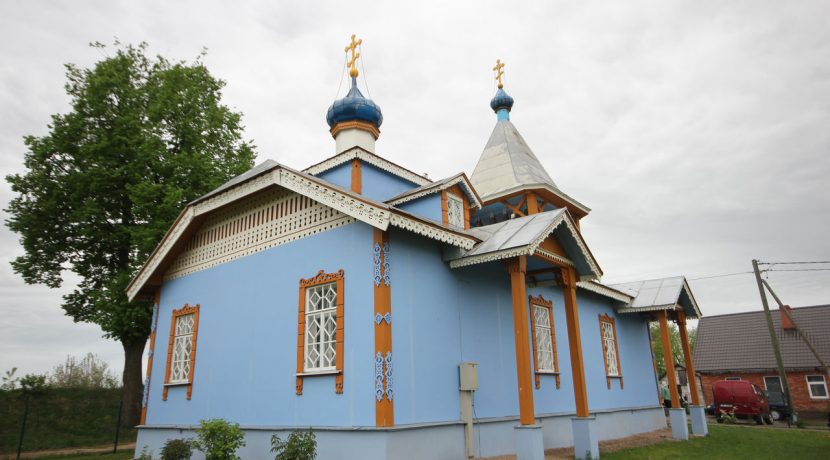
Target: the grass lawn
(731, 442)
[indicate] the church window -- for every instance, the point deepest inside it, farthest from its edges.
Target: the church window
(320, 338)
(544, 338)
(610, 348)
(455, 211)
(181, 350)
(321, 327)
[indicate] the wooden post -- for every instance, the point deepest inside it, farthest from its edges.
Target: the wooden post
(575, 342)
(668, 359)
(532, 204)
(357, 176)
(384, 404)
(517, 267)
(687, 354)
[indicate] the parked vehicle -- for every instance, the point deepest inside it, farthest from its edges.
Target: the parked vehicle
(743, 399)
(778, 408)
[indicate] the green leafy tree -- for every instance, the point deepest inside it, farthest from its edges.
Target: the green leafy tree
(298, 446)
(677, 348)
(144, 136)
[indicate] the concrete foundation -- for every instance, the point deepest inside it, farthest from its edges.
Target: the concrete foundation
(698, 416)
(529, 442)
(438, 441)
(586, 439)
(679, 425)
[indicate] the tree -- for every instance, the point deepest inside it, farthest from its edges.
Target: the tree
(676, 347)
(89, 372)
(144, 136)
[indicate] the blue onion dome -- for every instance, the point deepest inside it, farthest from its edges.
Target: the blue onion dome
(501, 100)
(354, 107)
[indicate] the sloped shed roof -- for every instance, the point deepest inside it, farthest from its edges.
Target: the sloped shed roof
(741, 342)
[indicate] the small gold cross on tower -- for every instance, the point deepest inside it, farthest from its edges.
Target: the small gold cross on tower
(499, 72)
(353, 48)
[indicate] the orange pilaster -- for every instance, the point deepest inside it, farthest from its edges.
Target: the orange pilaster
(668, 359)
(575, 342)
(156, 305)
(517, 267)
(384, 394)
(687, 355)
(357, 176)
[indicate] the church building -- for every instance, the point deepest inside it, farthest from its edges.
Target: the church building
(401, 317)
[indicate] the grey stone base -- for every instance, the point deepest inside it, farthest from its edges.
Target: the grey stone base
(438, 441)
(586, 442)
(698, 416)
(679, 425)
(529, 442)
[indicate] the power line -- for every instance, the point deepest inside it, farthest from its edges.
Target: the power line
(793, 263)
(796, 270)
(720, 276)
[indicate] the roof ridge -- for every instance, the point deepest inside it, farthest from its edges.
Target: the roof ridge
(762, 311)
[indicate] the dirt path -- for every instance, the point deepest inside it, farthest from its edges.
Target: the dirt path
(77, 450)
(612, 445)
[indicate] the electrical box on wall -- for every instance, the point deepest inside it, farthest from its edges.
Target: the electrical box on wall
(468, 376)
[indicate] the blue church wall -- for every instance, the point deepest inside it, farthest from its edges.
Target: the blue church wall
(381, 185)
(340, 175)
(428, 207)
(247, 338)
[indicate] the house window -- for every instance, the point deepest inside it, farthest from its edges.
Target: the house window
(321, 327)
(610, 349)
(181, 349)
(320, 338)
(455, 211)
(732, 378)
(544, 338)
(817, 386)
(772, 383)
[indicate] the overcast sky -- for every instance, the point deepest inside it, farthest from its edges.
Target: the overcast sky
(698, 132)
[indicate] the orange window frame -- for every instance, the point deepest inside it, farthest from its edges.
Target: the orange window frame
(185, 310)
(604, 318)
(548, 305)
(321, 278)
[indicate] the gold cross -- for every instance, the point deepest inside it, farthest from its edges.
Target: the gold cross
(499, 72)
(353, 47)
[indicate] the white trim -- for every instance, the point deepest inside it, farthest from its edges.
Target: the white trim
(489, 257)
(372, 159)
(604, 290)
(765, 377)
(437, 187)
(733, 378)
(431, 231)
(822, 383)
(502, 193)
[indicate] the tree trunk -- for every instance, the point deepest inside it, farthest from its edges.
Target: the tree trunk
(133, 382)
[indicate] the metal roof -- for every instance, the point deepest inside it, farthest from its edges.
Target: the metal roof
(263, 167)
(741, 341)
(660, 294)
(437, 186)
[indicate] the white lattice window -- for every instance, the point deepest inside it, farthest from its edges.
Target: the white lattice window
(455, 211)
(609, 345)
(817, 386)
(182, 349)
(544, 344)
(321, 328)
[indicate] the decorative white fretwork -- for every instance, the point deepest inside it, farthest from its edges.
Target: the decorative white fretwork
(383, 377)
(272, 218)
(380, 257)
(182, 348)
(544, 346)
(609, 342)
(372, 159)
(321, 328)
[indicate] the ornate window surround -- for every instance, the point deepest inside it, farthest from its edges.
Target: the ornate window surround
(458, 194)
(185, 310)
(321, 278)
(548, 305)
(604, 318)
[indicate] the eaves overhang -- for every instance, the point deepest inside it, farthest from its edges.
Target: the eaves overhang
(435, 187)
(370, 158)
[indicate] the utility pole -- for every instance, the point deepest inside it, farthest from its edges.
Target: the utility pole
(782, 374)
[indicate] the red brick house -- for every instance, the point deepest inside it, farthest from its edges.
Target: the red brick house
(738, 346)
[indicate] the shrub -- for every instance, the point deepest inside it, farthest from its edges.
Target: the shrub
(176, 449)
(299, 446)
(87, 372)
(145, 454)
(219, 439)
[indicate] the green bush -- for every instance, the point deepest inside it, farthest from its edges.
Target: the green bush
(176, 449)
(219, 439)
(299, 446)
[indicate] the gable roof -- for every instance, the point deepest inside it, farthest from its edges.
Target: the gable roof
(507, 165)
(370, 158)
(459, 179)
(660, 294)
(741, 342)
(269, 174)
(523, 236)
